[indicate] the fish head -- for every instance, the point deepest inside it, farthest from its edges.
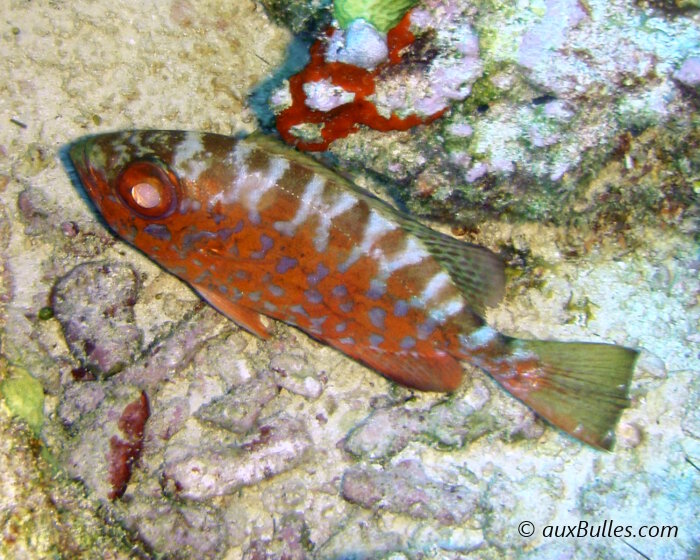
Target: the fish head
(130, 177)
(153, 186)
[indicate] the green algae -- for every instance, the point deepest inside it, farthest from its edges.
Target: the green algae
(23, 395)
(382, 14)
(45, 313)
(299, 15)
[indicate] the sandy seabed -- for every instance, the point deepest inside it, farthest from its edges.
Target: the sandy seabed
(360, 468)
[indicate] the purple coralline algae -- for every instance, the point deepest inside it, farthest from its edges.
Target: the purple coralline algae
(689, 72)
(191, 472)
(405, 488)
(537, 105)
(138, 422)
(94, 304)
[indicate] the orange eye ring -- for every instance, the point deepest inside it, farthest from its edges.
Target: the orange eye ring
(148, 189)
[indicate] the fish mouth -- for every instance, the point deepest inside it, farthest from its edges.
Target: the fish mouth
(78, 154)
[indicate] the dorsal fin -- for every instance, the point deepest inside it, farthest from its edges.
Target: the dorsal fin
(477, 272)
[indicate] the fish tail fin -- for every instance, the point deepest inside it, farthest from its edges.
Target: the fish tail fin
(582, 388)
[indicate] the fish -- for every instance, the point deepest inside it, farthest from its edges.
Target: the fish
(260, 230)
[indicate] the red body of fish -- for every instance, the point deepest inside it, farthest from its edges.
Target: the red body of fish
(260, 229)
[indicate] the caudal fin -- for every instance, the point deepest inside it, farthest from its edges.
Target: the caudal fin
(579, 387)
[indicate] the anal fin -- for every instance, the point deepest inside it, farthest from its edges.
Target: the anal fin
(435, 372)
(243, 316)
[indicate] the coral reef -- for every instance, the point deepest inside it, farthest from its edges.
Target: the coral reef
(99, 322)
(537, 109)
(359, 76)
(336, 91)
(575, 153)
(405, 488)
(300, 15)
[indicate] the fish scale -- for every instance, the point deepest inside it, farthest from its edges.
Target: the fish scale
(310, 198)
(260, 229)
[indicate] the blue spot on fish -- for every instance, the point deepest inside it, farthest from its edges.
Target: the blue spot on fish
(275, 290)
(424, 330)
(401, 308)
(299, 310)
(225, 233)
(313, 296)
(377, 288)
(376, 339)
(285, 264)
(266, 243)
(159, 231)
(340, 291)
(194, 237)
(377, 316)
(407, 342)
(321, 272)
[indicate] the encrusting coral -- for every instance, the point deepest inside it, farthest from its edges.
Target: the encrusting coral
(344, 90)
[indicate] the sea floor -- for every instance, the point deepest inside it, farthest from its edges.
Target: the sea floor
(287, 448)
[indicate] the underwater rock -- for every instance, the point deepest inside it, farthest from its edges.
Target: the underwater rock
(32, 205)
(292, 372)
(104, 455)
(508, 502)
(452, 423)
(80, 399)
(691, 418)
(359, 45)
(238, 410)
(659, 499)
(384, 433)
(546, 107)
(179, 530)
(300, 15)
(359, 538)
(405, 488)
(224, 357)
(689, 72)
(173, 353)
(290, 541)
(414, 86)
(279, 445)
(94, 304)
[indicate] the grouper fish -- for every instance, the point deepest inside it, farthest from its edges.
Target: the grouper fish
(259, 229)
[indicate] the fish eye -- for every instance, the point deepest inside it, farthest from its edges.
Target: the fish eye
(148, 188)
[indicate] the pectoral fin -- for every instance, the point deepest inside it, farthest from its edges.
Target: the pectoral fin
(244, 317)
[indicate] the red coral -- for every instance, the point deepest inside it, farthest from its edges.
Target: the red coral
(344, 120)
(123, 453)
